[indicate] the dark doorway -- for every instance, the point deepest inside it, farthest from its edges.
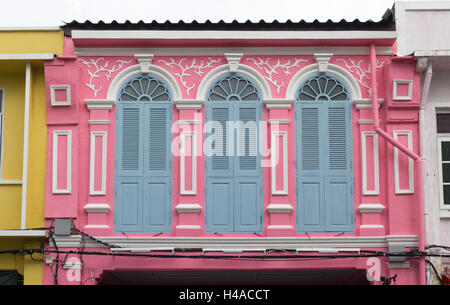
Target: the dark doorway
(10, 278)
(305, 277)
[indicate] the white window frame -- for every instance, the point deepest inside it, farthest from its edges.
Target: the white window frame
(53, 101)
(410, 189)
(275, 150)
(402, 82)
(68, 189)
(444, 210)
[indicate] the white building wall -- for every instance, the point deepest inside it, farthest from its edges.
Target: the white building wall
(423, 29)
(422, 26)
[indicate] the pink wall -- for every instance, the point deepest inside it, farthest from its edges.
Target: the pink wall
(89, 78)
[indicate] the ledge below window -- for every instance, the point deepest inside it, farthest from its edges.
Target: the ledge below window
(444, 213)
(10, 181)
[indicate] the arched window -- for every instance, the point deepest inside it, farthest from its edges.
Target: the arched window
(323, 88)
(233, 167)
(143, 175)
(324, 174)
(144, 88)
(234, 88)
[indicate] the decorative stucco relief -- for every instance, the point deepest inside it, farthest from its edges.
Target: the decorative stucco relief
(184, 67)
(98, 67)
(273, 68)
(361, 71)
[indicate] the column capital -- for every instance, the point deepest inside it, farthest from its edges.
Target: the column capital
(278, 103)
(100, 104)
(188, 104)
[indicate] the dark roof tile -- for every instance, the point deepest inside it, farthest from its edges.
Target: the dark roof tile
(386, 23)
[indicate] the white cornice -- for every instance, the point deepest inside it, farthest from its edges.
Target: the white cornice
(27, 56)
(242, 35)
(99, 122)
(277, 208)
(365, 103)
(99, 104)
(428, 53)
(10, 181)
(188, 208)
(371, 208)
(97, 208)
(188, 104)
(26, 29)
(23, 233)
(402, 240)
(278, 103)
(337, 50)
(242, 242)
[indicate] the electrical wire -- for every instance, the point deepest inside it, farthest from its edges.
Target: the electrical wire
(31, 229)
(438, 246)
(411, 255)
(435, 271)
(270, 254)
(286, 257)
(364, 253)
(51, 236)
(55, 275)
(83, 241)
(94, 239)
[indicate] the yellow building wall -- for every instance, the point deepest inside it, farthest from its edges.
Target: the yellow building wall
(13, 84)
(12, 80)
(31, 269)
(37, 150)
(11, 261)
(31, 42)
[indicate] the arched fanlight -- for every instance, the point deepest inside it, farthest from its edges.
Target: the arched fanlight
(323, 88)
(144, 88)
(233, 88)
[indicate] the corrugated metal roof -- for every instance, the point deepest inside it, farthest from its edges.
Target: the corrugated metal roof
(385, 24)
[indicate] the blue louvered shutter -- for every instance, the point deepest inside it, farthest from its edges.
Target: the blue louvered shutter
(157, 156)
(157, 139)
(338, 173)
(309, 155)
(324, 175)
(324, 167)
(220, 164)
(129, 168)
(248, 182)
(130, 146)
(219, 171)
(143, 172)
(234, 179)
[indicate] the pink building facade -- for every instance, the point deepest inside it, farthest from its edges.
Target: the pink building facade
(137, 154)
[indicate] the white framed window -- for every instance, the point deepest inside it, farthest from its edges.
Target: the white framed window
(60, 95)
(400, 92)
(443, 141)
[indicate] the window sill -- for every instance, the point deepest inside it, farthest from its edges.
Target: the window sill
(444, 213)
(10, 181)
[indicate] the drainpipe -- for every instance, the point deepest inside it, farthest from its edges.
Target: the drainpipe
(423, 100)
(26, 120)
(411, 154)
